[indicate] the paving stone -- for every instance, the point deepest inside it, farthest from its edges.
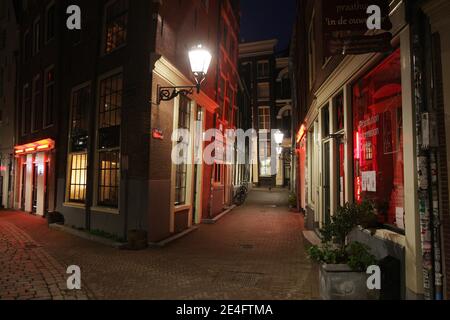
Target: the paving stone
(255, 252)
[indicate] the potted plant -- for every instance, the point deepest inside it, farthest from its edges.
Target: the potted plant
(343, 263)
(292, 201)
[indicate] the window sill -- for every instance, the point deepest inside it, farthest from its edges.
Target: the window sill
(74, 205)
(385, 234)
(180, 208)
(98, 209)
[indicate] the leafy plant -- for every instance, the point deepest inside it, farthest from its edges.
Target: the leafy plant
(335, 248)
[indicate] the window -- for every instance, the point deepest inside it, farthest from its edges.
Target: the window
(78, 177)
(265, 150)
(218, 169)
(49, 101)
(263, 91)
(312, 52)
(77, 158)
(37, 103)
(263, 69)
(231, 104)
(109, 121)
(264, 118)
(116, 25)
(36, 36)
(3, 39)
(26, 110)
(378, 140)
(109, 116)
(339, 112)
(2, 82)
(184, 118)
(50, 23)
(109, 178)
(27, 46)
(78, 119)
(326, 121)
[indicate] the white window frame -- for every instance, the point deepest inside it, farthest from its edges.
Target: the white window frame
(22, 129)
(312, 51)
(37, 37)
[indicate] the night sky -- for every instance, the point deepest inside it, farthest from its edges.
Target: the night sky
(266, 19)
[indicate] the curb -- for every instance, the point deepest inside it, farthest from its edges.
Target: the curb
(218, 217)
(87, 236)
(169, 240)
(312, 237)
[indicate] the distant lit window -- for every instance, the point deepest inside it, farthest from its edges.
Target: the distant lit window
(264, 118)
(263, 91)
(116, 25)
(263, 69)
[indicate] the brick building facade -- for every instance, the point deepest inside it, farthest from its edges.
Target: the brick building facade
(361, 122)
(89, 109)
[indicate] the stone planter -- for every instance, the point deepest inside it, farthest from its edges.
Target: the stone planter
(137, 240)
(55, 218)
(340, 282)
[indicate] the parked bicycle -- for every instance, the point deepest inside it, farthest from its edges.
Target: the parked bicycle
(241, 194)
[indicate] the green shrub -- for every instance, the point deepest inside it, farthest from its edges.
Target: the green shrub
(335, 248)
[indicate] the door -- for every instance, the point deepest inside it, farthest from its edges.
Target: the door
(326, 183)
(47, 167)
(1, 191)
(198, 152)
(35, 188)
(23, 187)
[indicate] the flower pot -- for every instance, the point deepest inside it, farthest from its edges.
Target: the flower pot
(340, 282)
(137, 240)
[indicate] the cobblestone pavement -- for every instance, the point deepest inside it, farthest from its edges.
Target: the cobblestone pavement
(27, 271)
(255, 252)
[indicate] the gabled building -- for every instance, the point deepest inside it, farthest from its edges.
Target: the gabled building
(267, 78)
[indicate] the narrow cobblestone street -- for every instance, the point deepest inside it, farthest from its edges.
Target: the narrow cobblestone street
(255, 252)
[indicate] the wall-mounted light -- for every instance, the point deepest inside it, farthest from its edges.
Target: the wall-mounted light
(200, 59)
(279, 137)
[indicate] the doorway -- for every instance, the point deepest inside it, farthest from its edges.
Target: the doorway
(35, 188)
(23, 187)
(198, 152)
(326, 183)
(1, 192)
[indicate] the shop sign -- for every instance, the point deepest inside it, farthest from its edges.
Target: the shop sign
(347, 22)
(158, 134)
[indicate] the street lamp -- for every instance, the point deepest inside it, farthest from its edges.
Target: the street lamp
(200, 59)
(279, 137)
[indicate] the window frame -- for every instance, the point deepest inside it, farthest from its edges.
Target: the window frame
(48, 39)
(97, 206)
(104, 51)
(34, 92)
(45, 96)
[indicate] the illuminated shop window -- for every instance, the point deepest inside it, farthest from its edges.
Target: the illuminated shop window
(78, 176)
(109, 179)
(378, 140)
(116, 25)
